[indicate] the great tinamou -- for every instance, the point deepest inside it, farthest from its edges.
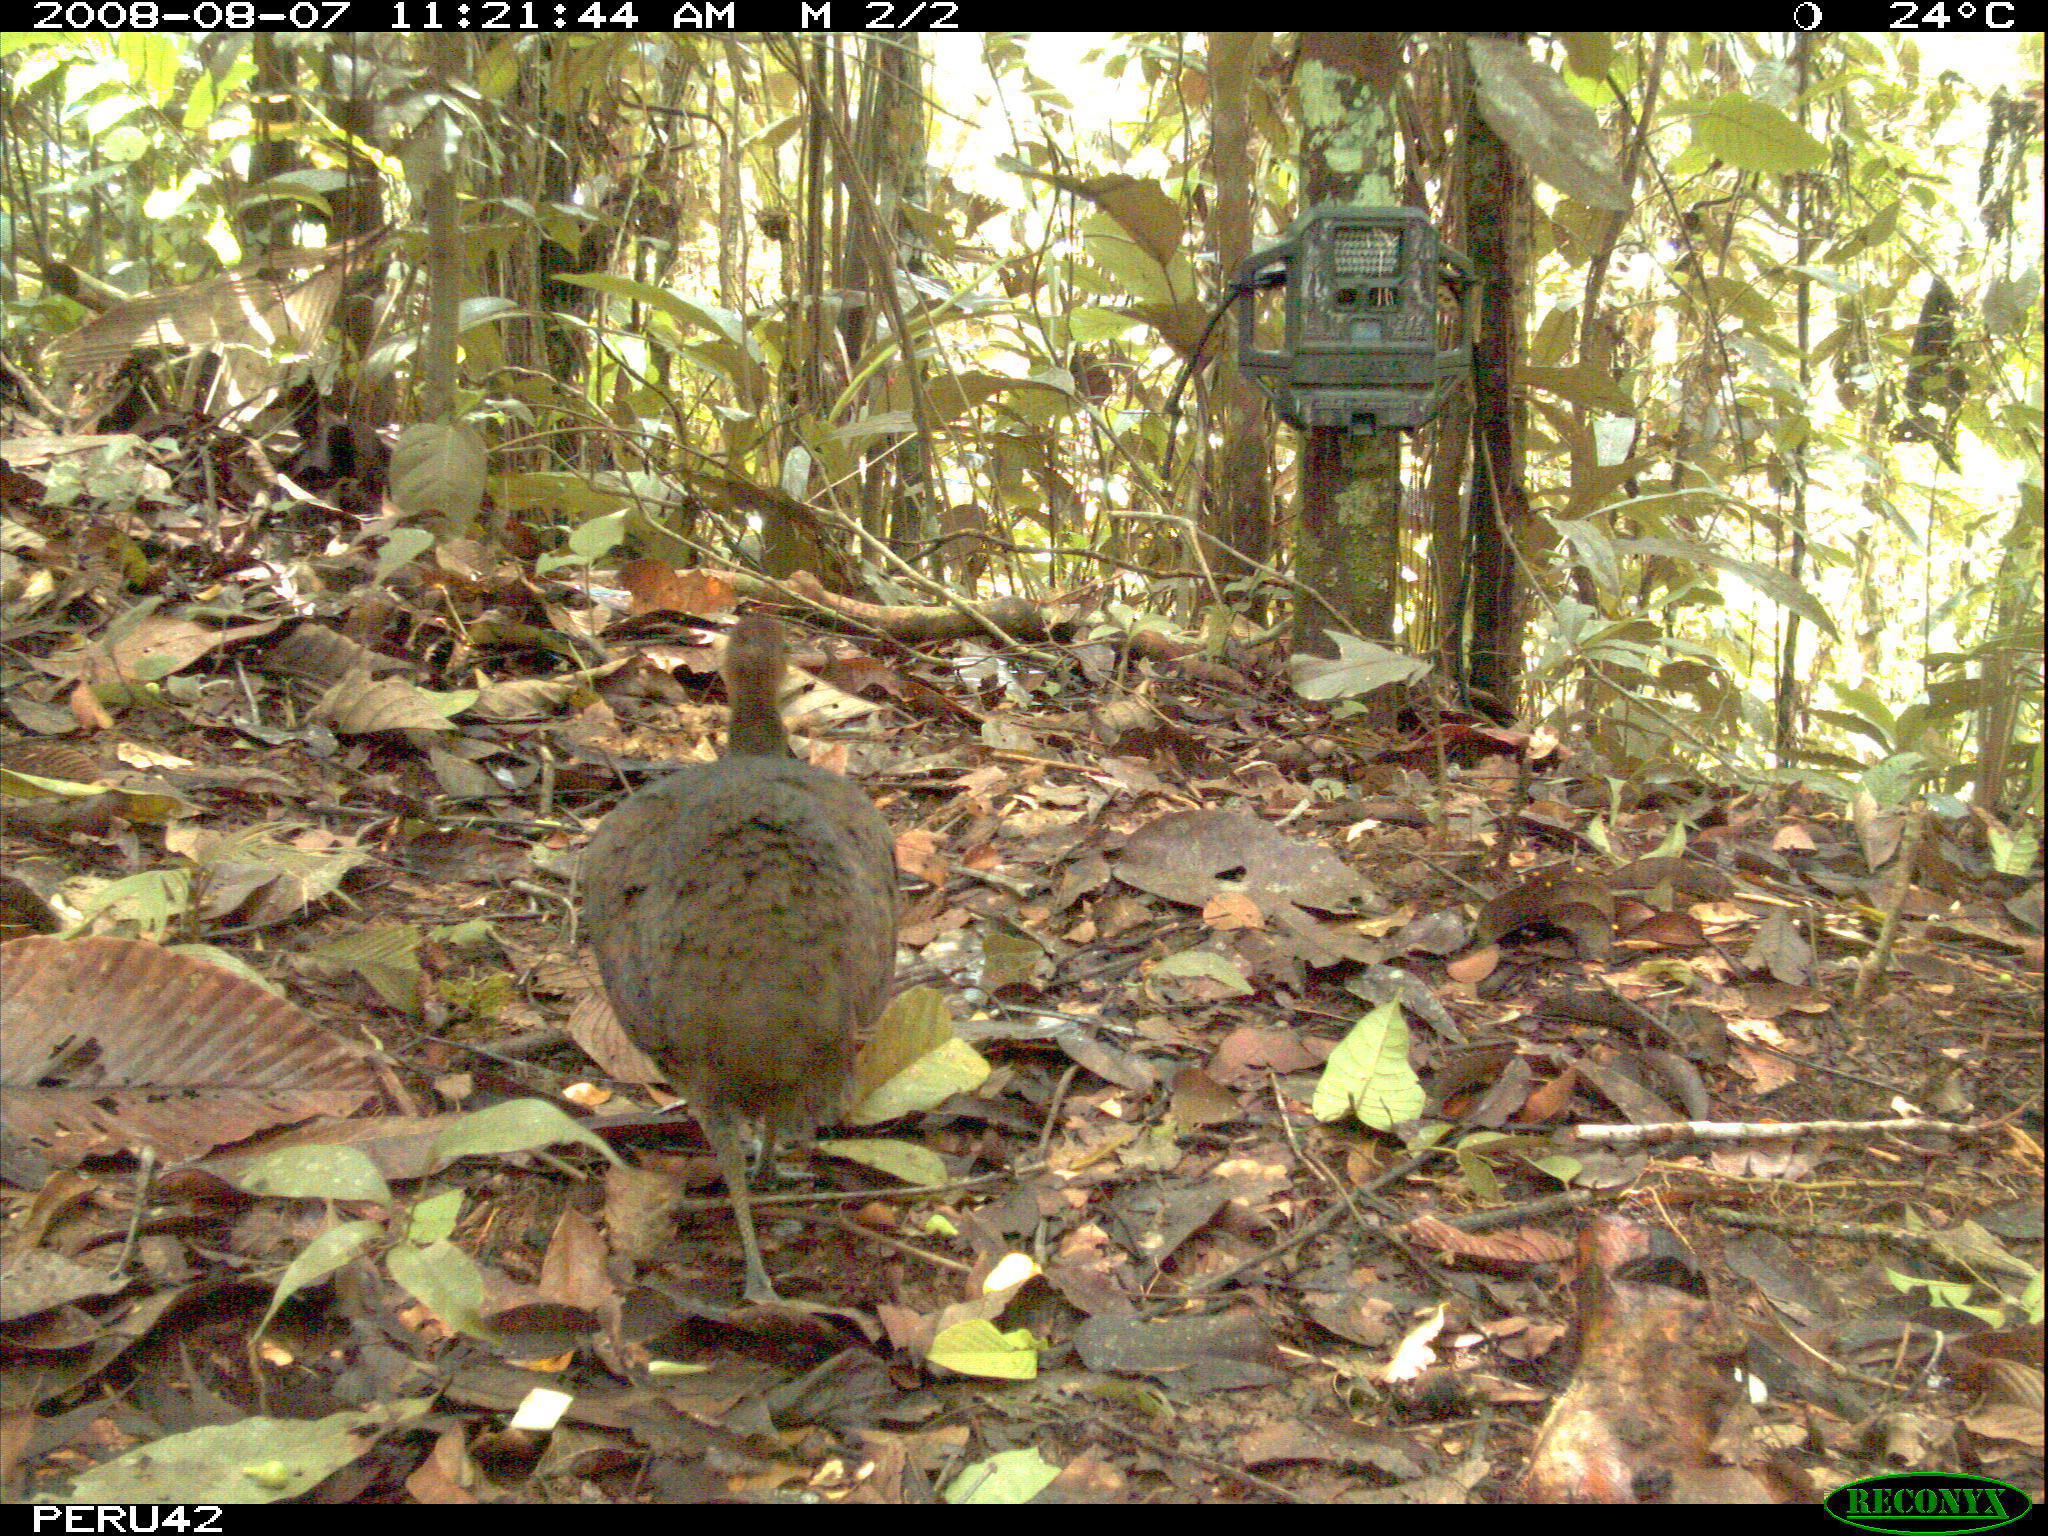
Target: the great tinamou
(743, 913)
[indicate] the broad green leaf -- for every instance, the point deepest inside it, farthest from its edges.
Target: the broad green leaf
(319, 1259)
(1360, 667)
(2012, 853)
(1561, 1166)
(978, 1348)
(1203, 965)
(903, 1160)
(1752, 135)
(955, 1067)
(1775, 585)
(1092, 323)
(251, 1461)
(401, 547)
(1879, 723)
(1895, 780)
(313, 1173)
(438, 469)
(522, 1125)
(1594, 549)
(445, 1280)
(1008, 1477)
(1368, 1074)
(598, 537)
(433, 1220)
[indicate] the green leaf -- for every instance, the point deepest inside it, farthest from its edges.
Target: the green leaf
(523, 1125)
(433, 1219)
(1360, 667)
(252, 1461)
(149, 900)
(1594, 549)
(1091, 322)
(313, 1173)
(955, 1067)
(446, 1281)
(686, 311)
(1368, 1074)
(1008, 1477)
(1880, 724)
(401, 547)
(598, 537)
(317, 1260)
(1775, 585)
(1203, 965)
(1754, 136)
(1895, 780)
(2012, 853)
(903, 1160)
(570, 495)
(978, 1348)
(1479, 1175)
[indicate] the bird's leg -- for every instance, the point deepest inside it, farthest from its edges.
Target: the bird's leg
(723, 1134)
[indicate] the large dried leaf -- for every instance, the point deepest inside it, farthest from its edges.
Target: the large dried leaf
(38, 1280)
(108, 1044)
(357, 706)
(314, 651)
(1224, 1353)
(152, 647)
(275, 302)
(596, 1028)
(251, 318)
(1187, 857)
(233, 867)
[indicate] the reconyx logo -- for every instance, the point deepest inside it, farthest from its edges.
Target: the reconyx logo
(1948, 1502)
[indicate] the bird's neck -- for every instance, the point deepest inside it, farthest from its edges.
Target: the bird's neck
(756, 729)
